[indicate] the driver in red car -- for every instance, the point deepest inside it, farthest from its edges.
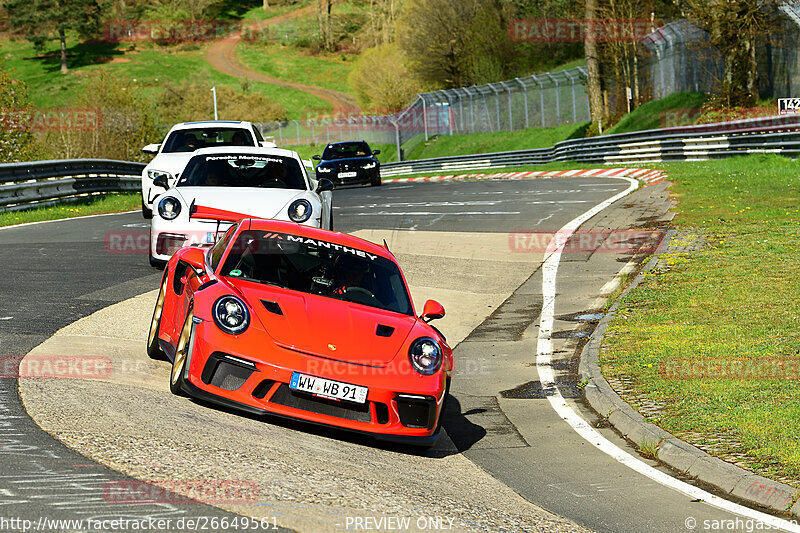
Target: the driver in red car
(349, 272)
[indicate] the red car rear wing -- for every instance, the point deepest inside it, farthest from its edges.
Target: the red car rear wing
(210, 213)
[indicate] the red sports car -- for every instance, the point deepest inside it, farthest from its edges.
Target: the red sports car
(304, 323)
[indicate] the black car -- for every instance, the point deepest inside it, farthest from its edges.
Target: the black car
(349, 163)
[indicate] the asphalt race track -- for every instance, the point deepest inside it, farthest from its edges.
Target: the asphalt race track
(507, 460)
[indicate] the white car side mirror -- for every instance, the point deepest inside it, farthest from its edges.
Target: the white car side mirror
(151, 149)
(268, 144)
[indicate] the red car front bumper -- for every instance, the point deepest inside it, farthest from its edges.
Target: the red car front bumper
(251, 373)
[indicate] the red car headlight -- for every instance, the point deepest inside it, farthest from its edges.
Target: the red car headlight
(425, 355)
(231, 315)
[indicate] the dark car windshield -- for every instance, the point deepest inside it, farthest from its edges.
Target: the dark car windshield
(346, 150)
(318, 267)
(192, 139)
(243, 170)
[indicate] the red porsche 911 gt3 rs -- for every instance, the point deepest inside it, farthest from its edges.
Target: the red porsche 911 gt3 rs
(304, 323)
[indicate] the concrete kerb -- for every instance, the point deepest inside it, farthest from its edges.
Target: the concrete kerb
(673, 452)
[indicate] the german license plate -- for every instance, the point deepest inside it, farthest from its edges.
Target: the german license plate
(327, 388)
(348, 174)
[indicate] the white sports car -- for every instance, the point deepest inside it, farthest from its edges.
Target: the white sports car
(179, 145)
(241, 182)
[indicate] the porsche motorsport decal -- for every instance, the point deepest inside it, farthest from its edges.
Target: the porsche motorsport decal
(244, 157)
(320, 244)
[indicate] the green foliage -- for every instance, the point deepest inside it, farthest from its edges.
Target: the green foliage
(382, 80)
(191, 100)
(47, 20)
(454, 43)
(16, 140)
(126, 122)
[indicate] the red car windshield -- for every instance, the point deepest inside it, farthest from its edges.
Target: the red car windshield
(318, 267)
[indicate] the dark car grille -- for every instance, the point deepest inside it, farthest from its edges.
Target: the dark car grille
(287, 397)
(222, 373)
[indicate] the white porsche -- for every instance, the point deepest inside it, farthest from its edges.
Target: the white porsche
(241, 182)
(179, 145)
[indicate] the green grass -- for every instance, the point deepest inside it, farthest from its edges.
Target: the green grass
(480, 143)
(581, 62)
(680, 109)
(387, 155)
(150, 65)
(95, 205)
(259, 13)
(293, 64)
(734, 300)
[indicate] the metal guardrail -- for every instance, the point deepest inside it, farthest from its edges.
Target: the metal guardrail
(44, 183)
(779, 135)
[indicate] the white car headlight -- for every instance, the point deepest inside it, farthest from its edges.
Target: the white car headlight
(425, 355)
(231, 315)
(300, 211)
(169, 208)
(324, 170)
(370, 165)
(153, 174)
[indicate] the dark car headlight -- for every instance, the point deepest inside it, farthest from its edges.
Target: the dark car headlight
(300, 210)
(231, 315)
(324, 170)
(425, 355)
(369, 166)
(169, 208)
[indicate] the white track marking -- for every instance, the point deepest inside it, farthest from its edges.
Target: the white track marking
(544, 352)
(68, 218)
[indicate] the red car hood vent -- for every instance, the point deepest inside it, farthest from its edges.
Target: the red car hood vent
(331, 328)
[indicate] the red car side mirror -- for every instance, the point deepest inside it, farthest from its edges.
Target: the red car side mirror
(195, 258)
(433, 310)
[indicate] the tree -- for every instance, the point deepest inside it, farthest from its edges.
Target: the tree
(382, 80)
(734, 26)
(453, 43)
(324, 18)
(48, 20)
(592, 51)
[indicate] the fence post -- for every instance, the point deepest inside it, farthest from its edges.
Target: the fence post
(558, 99)
(496, 103)
(471, 109)
(280, 132)
(574, 108)
(525, 101)
(541, 98)
(297, 125)
(510, 117)
(424, 116)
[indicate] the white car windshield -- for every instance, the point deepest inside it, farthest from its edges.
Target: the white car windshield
(189, 140)
(243, 170)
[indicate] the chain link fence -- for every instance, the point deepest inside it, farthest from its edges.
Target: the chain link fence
(543, 100)
(680, 58)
